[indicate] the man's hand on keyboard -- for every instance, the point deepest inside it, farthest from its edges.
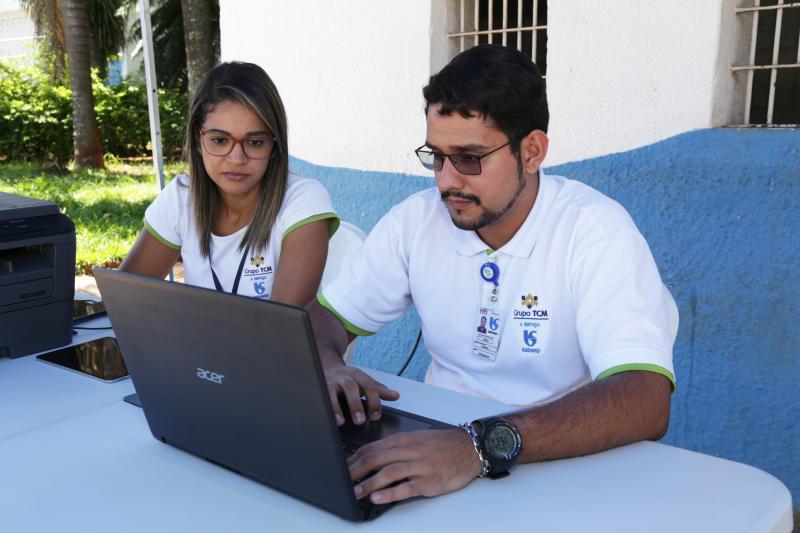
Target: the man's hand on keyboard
(352, 383)
(418, 463)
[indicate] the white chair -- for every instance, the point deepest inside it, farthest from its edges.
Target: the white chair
(344, 244)
(673, 317)
(347, 240)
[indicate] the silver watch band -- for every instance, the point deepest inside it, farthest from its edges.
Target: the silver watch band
(473, 436)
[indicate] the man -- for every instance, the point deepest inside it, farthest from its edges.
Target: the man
(577, 318)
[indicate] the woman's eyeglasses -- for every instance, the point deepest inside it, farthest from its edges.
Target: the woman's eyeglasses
(220, 144)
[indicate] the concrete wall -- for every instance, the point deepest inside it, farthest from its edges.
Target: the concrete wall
(626, 73)
(350, 78)
(351, 73)
(720, 209)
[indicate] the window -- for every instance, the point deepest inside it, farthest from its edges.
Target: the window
(773, 70)
(520, 24)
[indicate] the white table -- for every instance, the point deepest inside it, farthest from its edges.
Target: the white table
(34, 394)
(75, 457)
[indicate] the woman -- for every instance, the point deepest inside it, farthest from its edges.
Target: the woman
(239, 220)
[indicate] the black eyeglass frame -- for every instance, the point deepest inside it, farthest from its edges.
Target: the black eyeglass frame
(455, 159)
(271, 139)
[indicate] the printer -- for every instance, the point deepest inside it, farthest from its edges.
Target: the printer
(37, 276)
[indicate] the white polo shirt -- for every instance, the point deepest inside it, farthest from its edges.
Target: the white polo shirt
(579, 294)
(170, 219)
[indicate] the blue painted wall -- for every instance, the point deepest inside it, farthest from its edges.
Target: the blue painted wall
(721, 211)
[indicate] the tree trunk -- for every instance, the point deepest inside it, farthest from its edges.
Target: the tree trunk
(197, 39)
(85, 133)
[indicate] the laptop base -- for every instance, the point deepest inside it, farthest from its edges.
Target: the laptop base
(133, 399)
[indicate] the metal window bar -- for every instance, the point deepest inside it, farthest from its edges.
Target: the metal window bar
(758, 7)
(503, 29)
(751, 67)
(505, 22)
(535, 19)
(461, 28)
(491, 22)
(477, 20)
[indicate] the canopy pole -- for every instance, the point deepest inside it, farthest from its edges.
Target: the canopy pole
(152, 94)
(152, 90)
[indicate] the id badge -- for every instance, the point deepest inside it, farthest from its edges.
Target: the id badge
(488, 325)
(486, 340)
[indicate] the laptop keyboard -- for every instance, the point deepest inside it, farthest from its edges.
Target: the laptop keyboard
(349, 449)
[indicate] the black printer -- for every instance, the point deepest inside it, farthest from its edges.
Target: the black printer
(37, 276)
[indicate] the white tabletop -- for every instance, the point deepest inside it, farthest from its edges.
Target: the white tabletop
(33, 394)
(75, 457)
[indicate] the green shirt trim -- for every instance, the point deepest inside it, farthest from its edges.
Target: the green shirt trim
(322, 216)
(639, 366)
(352, 328)
(160, 239)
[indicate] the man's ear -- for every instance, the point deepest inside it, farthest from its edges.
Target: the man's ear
(532, 150)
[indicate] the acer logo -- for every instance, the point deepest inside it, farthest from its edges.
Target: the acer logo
(210, 376)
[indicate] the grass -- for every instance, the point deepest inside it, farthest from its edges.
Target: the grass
(107, 206)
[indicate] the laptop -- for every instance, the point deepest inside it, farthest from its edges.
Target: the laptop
(237, 381)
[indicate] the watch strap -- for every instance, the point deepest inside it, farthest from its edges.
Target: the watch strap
(473, 437)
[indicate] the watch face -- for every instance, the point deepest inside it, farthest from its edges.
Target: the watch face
(500, 442)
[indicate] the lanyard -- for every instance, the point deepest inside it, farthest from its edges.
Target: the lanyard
(490, 272)
(217, 284)
(488, 324)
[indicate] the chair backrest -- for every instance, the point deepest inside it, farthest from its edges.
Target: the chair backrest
(347, 240)
(672, 308)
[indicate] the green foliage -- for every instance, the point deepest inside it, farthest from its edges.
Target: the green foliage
(169, 49)
(49, 31)
(36, 118)
(124, 122)
(107, 31)
(107, 206)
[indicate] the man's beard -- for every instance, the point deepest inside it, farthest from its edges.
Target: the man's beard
(488, 217)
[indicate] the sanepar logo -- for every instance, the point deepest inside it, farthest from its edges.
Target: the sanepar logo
(210, 376)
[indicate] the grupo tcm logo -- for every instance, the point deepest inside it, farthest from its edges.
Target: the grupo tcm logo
(210, 376)
(529, 300)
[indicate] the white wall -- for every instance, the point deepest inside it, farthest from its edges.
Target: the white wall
(350, 74)
(621, 73)
(734, 49)
(626, 73)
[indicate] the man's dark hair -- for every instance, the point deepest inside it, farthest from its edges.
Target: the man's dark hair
(494, 82)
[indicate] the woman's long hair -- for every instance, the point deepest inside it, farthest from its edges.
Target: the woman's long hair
(250, 85)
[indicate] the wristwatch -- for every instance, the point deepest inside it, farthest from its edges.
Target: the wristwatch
(500, 443)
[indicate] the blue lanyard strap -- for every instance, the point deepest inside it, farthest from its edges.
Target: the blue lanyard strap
(217, 284)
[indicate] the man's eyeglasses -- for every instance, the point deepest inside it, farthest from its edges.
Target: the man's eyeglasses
(220, 144)
(469, 164)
